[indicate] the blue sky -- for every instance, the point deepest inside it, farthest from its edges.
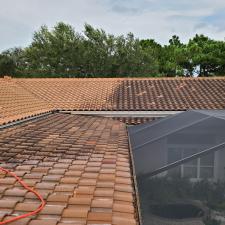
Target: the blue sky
(158, 19)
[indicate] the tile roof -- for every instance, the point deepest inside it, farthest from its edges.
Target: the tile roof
(24, 97)
(80, 165)
(129, 93)
(16, 102)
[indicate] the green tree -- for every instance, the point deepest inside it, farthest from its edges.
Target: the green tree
(170, 58)
(7, 65)
(133, 59)
(99, 51)
(18, 57)
(62, 52)
(208, 55)
(107, 55)
(56, 52)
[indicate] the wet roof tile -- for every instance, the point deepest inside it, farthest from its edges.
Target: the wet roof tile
(67, 167)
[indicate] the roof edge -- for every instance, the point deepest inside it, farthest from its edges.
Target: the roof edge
(21, 119)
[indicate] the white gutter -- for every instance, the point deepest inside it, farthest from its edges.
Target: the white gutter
(123, 113)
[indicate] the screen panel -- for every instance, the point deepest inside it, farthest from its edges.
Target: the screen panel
(150, 132)
(198, 134)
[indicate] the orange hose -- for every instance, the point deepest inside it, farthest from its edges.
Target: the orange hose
(30, 190)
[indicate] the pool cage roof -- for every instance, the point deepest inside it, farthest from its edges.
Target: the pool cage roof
(203, 129)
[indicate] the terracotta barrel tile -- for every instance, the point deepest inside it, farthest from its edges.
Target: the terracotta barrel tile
(88, 182)
(65, 188)
(100, 216)
(58, 197)
(33, 176)
(123, 196)
(75, 213)
(69, 180)
(73, 173)
(118, 207)
(7, 203)
(117, 220)
(106, 177)
(104, 192)
(27, 207)
(88, 190)
(52, 209)
(16, 192)
(90, 175)
(121, 180)
(75, 221)
(102, 203)
(45, 185)
(80, 200)
(7, 180)
(105, 184)
(124, 188)
(24, 221)
(57, 171)
(52, 177)
(43, 222)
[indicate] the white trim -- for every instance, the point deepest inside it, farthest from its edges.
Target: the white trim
(123, 113)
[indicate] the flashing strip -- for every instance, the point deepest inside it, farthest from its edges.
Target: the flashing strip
(123, 113)
(35, 117)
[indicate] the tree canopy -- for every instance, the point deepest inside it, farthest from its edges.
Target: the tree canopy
(63, 52)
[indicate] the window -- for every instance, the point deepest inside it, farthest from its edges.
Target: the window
(197, 168)
(206, 166)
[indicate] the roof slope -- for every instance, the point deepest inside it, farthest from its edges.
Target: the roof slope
(80, 165)
(129, 94)
(16, 102)
(24, 97)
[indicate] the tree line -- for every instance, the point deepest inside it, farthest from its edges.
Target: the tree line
(63, 52)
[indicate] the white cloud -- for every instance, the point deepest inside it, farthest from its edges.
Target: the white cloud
(158, 19)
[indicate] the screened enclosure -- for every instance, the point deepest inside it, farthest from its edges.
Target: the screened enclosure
(186, 145)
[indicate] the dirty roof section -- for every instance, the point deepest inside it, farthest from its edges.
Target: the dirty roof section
(20, 98)
(79, 164)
